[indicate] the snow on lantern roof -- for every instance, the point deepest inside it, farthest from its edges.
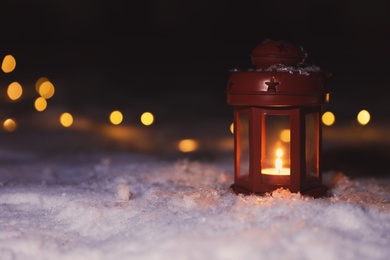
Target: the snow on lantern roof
(283, 68)
(280, 56)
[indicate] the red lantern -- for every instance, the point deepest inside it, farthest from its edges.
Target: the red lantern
(277, 121)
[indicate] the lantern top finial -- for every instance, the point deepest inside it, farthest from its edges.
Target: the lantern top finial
(271, 52)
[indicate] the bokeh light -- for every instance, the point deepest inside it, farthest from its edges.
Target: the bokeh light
(14, 91)
(327, 97)
(66, 119)
(8, 64)
(188, 145)
(46, 89)
(232, 128)
(116, 117)
(40, 104)
(285, 135)
(39, 82)
(363, 117)
(328, 118)
(9, 125)
(147, 118)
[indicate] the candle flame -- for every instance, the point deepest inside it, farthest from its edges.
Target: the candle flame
(278, 164)
(278, 161)
(278, 170)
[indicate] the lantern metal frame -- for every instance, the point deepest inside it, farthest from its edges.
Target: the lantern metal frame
(293, 91)
(299, 180)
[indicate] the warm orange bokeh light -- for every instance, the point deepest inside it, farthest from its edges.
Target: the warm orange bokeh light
(9, 125)
(8, 64)
(328, 118)
(14, 91)
(66, 119)
(40, 104)
(327, 97)
(147, 118)
(188, 145)
(363, 117)
(285, 135)
(46, 89)
(39, 82)
(116, 117)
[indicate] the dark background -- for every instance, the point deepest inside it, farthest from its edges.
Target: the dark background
(178, 53)
(173, 57)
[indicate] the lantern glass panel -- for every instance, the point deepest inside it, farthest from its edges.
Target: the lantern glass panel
(312, 140)
(275, 144)
(242, 129)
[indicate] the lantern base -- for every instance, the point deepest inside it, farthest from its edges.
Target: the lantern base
(316, 192)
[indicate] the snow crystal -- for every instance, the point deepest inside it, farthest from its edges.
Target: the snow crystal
(123, 191)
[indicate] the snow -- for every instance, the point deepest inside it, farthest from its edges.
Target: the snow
(283, 68)
(104, 204)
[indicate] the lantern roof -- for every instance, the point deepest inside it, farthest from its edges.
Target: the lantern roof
(281, 77)
(271, 52)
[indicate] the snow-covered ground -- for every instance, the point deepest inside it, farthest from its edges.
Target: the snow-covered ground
(69, 199)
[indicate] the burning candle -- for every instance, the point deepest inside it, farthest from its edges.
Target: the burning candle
(277, 175)
(278, 170)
